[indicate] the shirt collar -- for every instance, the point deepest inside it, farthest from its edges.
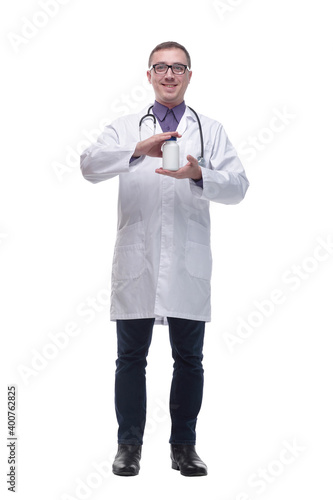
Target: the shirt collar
(160, 110)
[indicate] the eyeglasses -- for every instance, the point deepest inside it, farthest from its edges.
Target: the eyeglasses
(162, 69)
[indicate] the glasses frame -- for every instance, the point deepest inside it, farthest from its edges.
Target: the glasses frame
(170, 66)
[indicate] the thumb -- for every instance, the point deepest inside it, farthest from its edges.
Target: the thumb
(191, 159)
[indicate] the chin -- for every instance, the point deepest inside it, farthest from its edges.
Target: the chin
(170, 98)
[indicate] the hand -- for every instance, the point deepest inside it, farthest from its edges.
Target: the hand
(191, 170)
(153, 145)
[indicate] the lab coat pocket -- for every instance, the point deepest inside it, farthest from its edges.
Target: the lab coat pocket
(198, 257)
(129, 253)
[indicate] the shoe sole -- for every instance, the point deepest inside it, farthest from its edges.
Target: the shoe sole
(175, 466)
(126, 472)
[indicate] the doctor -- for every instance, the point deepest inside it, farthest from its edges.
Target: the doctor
(162, 258)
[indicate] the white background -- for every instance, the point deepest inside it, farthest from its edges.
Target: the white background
(85, 65)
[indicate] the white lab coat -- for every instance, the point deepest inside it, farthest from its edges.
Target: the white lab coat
(162, 259)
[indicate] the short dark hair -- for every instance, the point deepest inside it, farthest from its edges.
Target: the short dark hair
(170, 45)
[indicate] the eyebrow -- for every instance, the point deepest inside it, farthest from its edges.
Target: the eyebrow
(163, 62)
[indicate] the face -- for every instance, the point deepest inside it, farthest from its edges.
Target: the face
(169, 88)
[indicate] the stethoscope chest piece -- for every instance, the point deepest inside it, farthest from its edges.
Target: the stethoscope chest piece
(201, 161)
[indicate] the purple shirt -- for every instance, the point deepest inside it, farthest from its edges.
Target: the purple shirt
(169, 120)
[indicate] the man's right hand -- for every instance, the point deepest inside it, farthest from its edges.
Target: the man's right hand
(153, 145)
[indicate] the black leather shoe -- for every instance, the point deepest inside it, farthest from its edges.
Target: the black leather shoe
(185, 459)
(127, 460)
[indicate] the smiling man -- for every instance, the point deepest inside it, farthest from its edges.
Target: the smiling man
(169, 87)
(162, 259)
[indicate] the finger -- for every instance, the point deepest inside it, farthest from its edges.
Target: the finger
(163, 171)
(173, 133)
(191, 159)
(167, 135)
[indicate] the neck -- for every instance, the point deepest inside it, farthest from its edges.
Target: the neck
(168, 104)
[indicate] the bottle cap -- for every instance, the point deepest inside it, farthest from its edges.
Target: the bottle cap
(172, 139)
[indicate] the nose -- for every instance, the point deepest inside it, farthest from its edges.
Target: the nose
(167, 74)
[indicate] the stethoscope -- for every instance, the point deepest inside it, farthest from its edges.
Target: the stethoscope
(150, 115)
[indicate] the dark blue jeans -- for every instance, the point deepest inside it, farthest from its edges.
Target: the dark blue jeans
(134, 338)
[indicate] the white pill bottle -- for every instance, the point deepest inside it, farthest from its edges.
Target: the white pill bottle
(170, 151)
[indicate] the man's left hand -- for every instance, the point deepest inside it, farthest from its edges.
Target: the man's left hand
(191, 170)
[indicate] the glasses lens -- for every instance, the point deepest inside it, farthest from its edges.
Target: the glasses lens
(161, 68)
(178, 69)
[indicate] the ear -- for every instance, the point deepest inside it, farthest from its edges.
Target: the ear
(149, 76)
(189, 76)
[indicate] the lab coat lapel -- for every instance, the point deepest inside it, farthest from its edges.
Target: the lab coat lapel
(186, 118)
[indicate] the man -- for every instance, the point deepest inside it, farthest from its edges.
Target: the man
(162, 260)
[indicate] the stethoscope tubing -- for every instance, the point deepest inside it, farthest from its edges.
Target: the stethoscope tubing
(153, 117)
